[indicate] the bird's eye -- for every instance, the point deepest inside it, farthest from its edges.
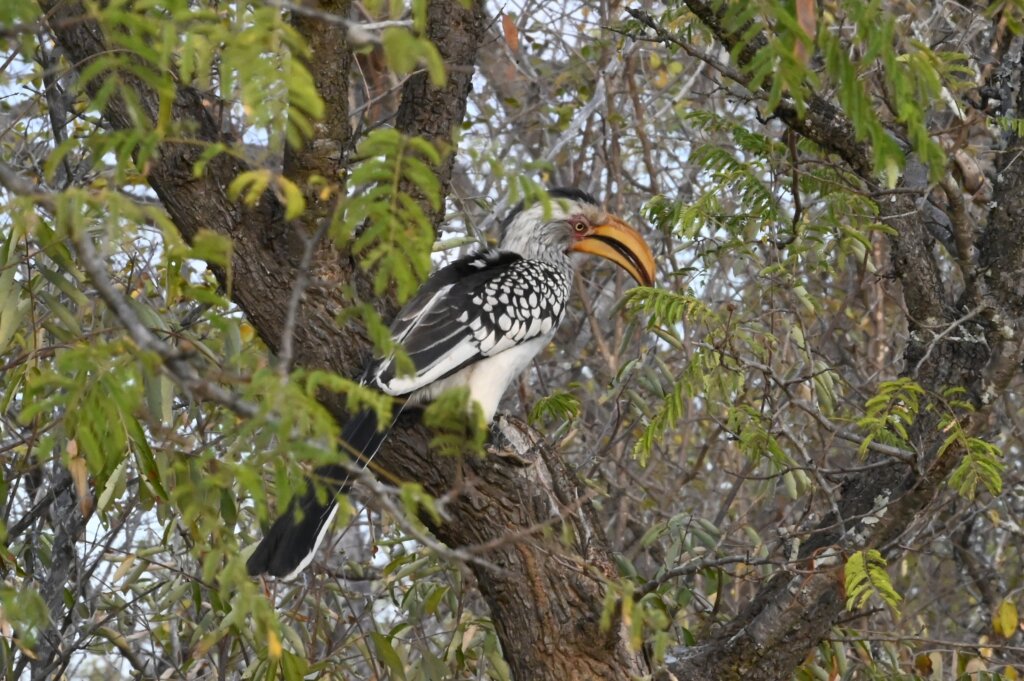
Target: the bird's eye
(579, 227)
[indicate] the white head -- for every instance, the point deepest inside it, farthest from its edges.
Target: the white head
(574, 221)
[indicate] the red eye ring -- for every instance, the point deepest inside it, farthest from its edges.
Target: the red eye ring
(579, 227)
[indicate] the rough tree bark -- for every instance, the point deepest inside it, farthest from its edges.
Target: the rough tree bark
(545, 597)
(436, 113)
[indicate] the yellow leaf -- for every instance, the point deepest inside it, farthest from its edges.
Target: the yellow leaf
(25, 650)
(246, 332)
(892, 173)
(467, 637)
(124, 567)
(252, 182)
(1004, 619)
(80, 476)
(273, 645)
(1010, 673)
(292, 198)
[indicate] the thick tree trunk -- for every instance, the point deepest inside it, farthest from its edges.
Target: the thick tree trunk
(436, 113)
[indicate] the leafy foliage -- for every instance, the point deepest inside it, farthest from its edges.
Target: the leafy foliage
(668, 309)
(457, 422)
(866, 577)
(889, 415)
(388, 229)
(559, 406)
(980, 461)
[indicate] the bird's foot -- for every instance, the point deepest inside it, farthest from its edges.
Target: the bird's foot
(513, 440)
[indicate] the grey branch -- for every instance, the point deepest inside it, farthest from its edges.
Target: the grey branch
(357, 34)
(178, 366)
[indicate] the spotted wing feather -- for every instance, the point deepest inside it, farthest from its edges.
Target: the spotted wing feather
(476, 307)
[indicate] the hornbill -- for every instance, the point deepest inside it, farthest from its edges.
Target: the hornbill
(476, 323)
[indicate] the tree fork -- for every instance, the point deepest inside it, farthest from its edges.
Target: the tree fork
(547, 598)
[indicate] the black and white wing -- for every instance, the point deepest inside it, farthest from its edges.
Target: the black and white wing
(476, 307)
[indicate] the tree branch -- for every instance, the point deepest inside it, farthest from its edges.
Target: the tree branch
(435, 113)
(793, 611)
(543, 593)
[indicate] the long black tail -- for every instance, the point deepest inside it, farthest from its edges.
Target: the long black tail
(292, 541)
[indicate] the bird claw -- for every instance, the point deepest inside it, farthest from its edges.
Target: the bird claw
(513, 440)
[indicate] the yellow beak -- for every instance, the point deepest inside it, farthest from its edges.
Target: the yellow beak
(623, 245)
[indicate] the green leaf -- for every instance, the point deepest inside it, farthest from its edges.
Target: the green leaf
(25, 611)
(665, 307)
(251, 183)
(382, 224)
(292, 198)
(889, 414)
(557, 406)
(981, 464)
(866, 577)
(456, 422)
(293, 667)
(212, 247)
(387, 655)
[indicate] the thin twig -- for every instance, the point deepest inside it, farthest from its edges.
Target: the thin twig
(356, 34)
(818, 477)
(901, 454)
(667, 38)
(177, 364)
(382, 497)
(693, 568)
(945, 332)
(571, 132)
(963, 230)
(295, 299)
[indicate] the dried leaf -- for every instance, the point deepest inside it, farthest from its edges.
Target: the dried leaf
(970, 171)
(388, 655)
(80, 476)
(807, 17)
(467, 637)
(508, 25)
(6, 630)
(124, 567)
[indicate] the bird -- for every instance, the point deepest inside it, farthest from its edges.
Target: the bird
(475, 323)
